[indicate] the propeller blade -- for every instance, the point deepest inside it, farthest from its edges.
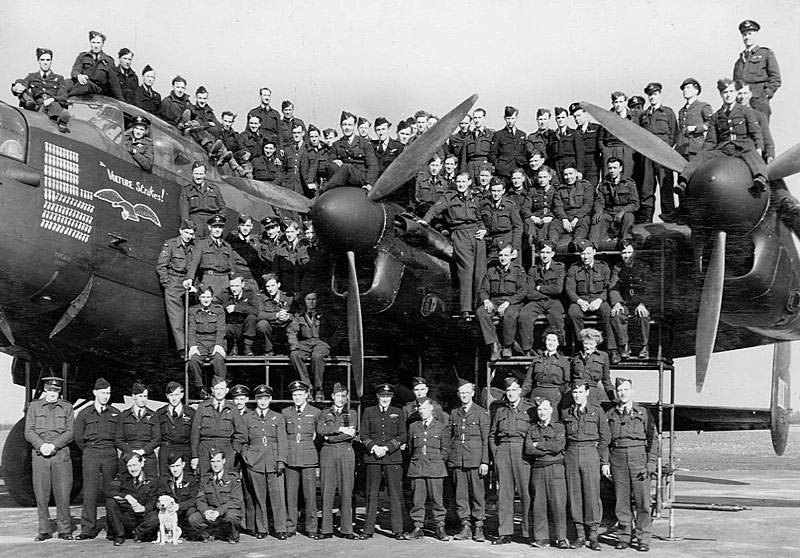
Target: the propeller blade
(781, 397)
(355, 326)
(272, 194)
(637, 137)
(786, 164)
(415, 155)
(710, 307)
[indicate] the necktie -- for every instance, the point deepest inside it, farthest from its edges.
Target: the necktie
(263, 415)
(299, 410)
(44, 75)
(102, 408)
(174, 413)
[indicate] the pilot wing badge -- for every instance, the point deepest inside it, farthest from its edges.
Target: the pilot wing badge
(130, 211)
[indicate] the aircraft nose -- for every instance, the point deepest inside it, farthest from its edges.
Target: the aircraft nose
(345, 219)
(721, 197)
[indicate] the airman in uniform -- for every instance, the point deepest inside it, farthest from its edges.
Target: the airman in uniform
(179, 483)
(549, 372)
(545, 286)
(430, 185)
(589, 135)
(477, 146)
(175, 422)
(49, 430)
(200, 201)
(218, 424)
(94, 72)
(428, 446)
(206, 339)
(128, 81)
(468, 461)
(146, 97)
(544, 447)
(541, 139)
(572, 206)
(383, 433)
(629, 291)
(172, 266)
(303, 460)
(265, 454)
(267, 165)
(213, 258)
(138, 144)
(541, 196)
(461, 215)
(587, 439)
(611, 145)
(502, 291)
(503, 222)
(456, 141)
(757, 67)
(336, 426)
(269, 242)
(508, 149)
(566, 146)
(510, 425)
(615, 204)
(95, 431)
(247, 251)
(694, 120)
(176, 108)
(587, 289)
(353, 161)
(242, 308)
(314, 159)
(630, 463)
(294, 146)
(138, 431)
(219, 499)
(419, 386)
(250, 145)
(660, 121)
(131, 501)
(45, 90)
(269, 119)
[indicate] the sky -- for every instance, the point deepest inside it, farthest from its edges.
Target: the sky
(391, 57)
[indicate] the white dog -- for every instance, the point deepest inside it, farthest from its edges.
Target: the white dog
(168, 529)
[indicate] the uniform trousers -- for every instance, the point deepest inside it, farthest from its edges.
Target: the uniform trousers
(629, 472)
(608, 232)
(52, 474)
(549, 489)
(553, 311)
(582, 464)
(508, 323)
(317, 351)
(576, 317)
(470, 494)
(337, 468)
(248, 497)
(246, 329)
(652, 173)
(174, 297)
(470, 256)
(512, 472)
(122, 518)
(393, 475)
(206, 349)
(620, 325)
(308, 475)
(218, 281)
(269, 330)
(97, 463)
(272, 484)
(562, 238)
(227, 522)
(424, 487)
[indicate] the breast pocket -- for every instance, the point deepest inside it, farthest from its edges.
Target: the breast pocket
(193, 202)
(570, 425)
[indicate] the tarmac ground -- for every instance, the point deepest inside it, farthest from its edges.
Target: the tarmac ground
(767, 524)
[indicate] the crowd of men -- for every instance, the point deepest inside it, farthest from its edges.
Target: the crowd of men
(224, 462)
(500, 196)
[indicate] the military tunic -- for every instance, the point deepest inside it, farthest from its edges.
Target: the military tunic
(223, 430)
(630, 286)
(632, 456)
(697, 114)
(51, 423)
(469, 449)
(337, 467)
(148, 99)
(503, 224)
(509, 427)
(384, 427)
(199, 204)
(140, 149)
(214, 260)
(128, 83)
(95, 433)
(566, 146)
(141, 433)
(266, 445)
(507, 152)
(311, 336)
(758, 68)
(571, 202)
(587, 439)
(102, 74)
(543, 296)
(548, 377)
(594, 369)
(359, 165)
(501, 285)
(223, 494)
(475, 151)
(301, 465)
(270, 123)
(662, 123)
(173, 107)
(206, 330)
(590, 137)
(461, 215)
(428, 446)
(39, 88)
(121, 516)
(544, 447)
(590, 283)
(176, 434)
(616, 204)
(172, 266)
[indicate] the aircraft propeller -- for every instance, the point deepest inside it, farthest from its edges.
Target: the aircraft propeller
(353, 221)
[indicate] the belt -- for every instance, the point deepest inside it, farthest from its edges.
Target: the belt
(511, 441)
(583, 444)
(176, 444)
(481, 159)
(547, 386)
(212, 272)
(637, 446)
(176, 273)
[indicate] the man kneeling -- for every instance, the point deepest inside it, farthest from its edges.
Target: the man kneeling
(219, 501)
